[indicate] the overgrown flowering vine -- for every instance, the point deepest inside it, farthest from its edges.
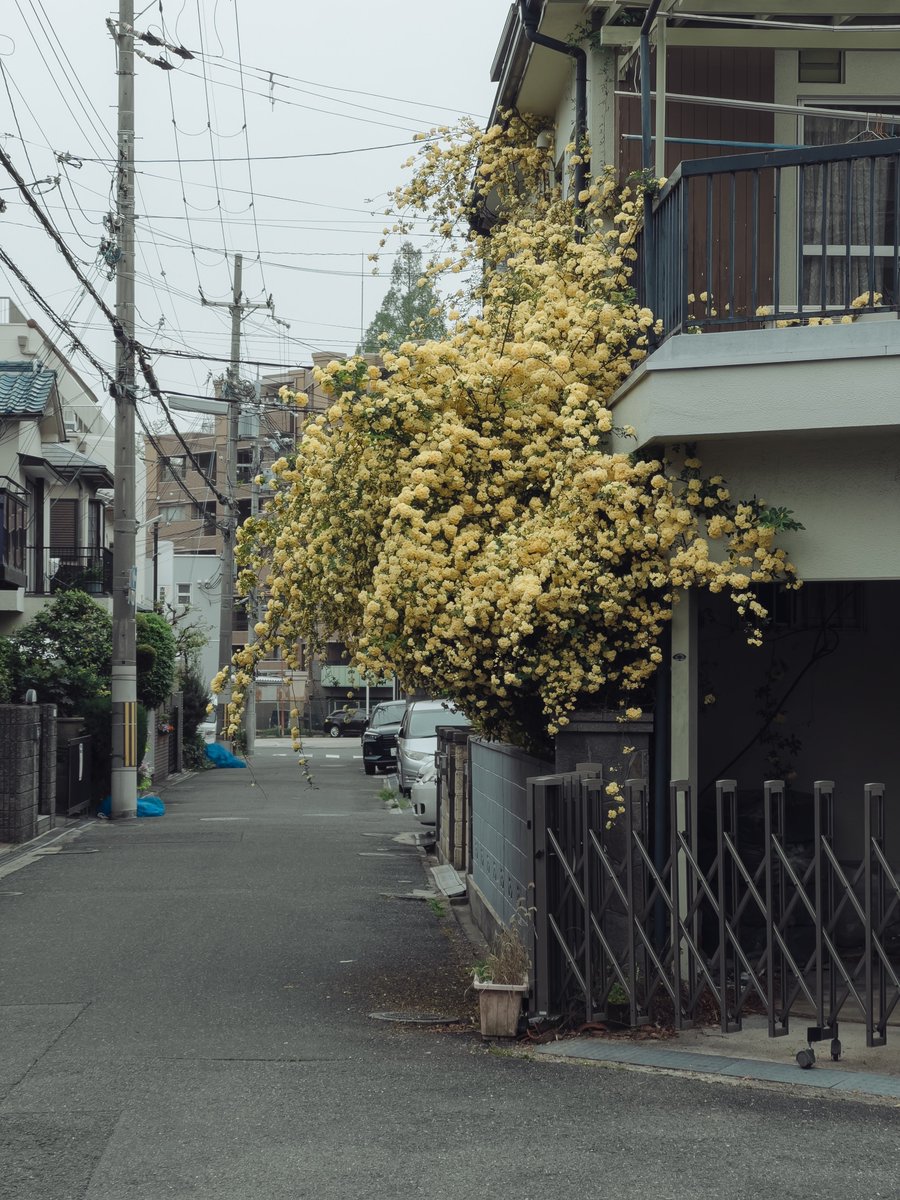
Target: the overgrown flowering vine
(460, 517)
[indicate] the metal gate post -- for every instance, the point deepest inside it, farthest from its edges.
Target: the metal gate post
(773, 792)
(725, 875)
(873, 830)
(675, 905)
(583, 802)
(819, 787)
(538, 812)
(629, 894)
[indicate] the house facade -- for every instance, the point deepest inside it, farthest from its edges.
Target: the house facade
(771, 257)
(55, 463)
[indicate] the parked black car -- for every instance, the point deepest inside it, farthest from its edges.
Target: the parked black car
(379, 742)
(341, 721)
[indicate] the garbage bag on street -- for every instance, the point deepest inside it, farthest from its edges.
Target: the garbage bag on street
(220, 757)
(147, 806)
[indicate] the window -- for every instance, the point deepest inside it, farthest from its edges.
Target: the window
(207, 514)
(423, 723)
(174, 467)
(173, 512)
(388, 714)
(850, 219)
(821, 66)
(245, 466)
(206, 464)
(183, 595)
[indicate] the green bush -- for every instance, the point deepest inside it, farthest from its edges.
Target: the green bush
(64, 653)
(156, 659)
(194, 756)
(194, 699)
(7, 660)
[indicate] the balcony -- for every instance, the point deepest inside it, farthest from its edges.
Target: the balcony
(748, 252)
(752, 239)
(64, 568)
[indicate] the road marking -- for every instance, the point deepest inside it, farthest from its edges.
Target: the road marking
(224, 818)
(332, 756)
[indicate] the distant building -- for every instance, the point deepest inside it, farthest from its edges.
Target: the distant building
(56, 475)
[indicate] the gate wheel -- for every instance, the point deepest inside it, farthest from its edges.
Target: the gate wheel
(836, 1050)
(806, 1058)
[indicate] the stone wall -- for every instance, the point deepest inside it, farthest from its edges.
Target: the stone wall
(27, 760)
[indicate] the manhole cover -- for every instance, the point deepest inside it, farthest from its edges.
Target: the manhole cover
(417, 1018)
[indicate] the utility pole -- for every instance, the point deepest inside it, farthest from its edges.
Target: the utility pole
(253, 599)
(232, 394)
(124, 666)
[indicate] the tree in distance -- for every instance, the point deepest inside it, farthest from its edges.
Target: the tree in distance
(406, 313)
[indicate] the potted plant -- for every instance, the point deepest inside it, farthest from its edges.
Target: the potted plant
(501, 980)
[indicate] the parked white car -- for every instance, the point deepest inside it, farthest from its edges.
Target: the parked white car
(417, 738)
(423, 794)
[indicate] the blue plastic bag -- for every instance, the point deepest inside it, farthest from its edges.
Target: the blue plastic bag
(147, 806)
(219, 756)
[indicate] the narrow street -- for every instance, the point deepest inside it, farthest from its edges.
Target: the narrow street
(184, 1012)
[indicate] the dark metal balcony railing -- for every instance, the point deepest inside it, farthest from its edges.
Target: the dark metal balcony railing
(744, 241)
(62, 568)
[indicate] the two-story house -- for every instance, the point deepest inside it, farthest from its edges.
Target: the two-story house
(55, 455)
(771, 256)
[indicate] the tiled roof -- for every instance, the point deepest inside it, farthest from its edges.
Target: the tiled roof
(24, 390)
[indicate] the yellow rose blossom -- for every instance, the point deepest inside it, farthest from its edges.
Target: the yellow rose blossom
(460, 517)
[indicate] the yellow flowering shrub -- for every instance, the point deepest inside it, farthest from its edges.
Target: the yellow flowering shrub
(459, 517)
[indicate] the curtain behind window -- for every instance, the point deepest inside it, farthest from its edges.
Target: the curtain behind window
(848, 210)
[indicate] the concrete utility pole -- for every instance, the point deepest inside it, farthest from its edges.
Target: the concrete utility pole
(124, 666)
(226, 613)
(253, 600)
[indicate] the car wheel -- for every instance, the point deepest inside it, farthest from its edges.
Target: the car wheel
(334, 731)
(369, 768)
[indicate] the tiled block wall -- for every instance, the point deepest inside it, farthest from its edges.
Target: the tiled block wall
(20, 770)
(501, 840)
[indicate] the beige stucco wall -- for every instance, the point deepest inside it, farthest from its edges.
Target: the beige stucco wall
(845, 490)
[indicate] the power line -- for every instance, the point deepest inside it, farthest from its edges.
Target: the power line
(278, 157)
(119, 333)
(273, 78)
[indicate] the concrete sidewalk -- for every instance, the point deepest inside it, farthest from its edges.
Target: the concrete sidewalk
(752, 1055)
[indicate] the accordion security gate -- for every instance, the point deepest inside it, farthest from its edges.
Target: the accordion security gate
(762, 925)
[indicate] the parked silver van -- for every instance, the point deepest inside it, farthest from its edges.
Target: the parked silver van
(417, 739)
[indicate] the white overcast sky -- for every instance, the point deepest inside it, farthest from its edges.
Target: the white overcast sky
(316, 218)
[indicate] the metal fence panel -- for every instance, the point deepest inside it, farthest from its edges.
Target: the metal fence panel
(502, 851)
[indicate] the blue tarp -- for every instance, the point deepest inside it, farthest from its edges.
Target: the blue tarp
(220, 757)
(147, 806)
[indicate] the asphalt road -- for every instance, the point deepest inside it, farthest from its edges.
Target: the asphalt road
(184, 1013)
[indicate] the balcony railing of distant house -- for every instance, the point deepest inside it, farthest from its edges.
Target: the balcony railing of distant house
(63, 568)
(13, 526)
(794, 236)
